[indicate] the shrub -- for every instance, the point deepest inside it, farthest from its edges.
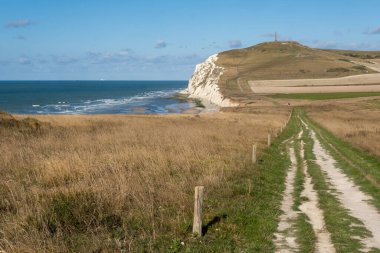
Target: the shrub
(359, 67)
(338, 70)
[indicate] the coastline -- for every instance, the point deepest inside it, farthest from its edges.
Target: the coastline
(204, 83)
(201, 105)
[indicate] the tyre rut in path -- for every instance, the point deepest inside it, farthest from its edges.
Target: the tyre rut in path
(314, 213)
(285, 240)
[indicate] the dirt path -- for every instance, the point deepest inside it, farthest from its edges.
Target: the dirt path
(350, 195)
(285, 237)
(313, 212)
(371, 64)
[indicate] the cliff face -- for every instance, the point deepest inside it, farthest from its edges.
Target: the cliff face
(204, 83)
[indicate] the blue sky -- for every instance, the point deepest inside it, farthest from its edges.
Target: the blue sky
(164, 39)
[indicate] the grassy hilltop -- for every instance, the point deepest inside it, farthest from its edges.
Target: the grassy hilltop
(285, 60)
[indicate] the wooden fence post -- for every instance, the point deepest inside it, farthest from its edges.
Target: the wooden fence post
(249, 186)
(254, 154)
(269, 140)
(198, 203)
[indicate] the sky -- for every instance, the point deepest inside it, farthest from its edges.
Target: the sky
(165, 39)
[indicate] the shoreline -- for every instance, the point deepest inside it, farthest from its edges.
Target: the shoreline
(205, 108)
(126, 97)
(201, 105)
(178, 101)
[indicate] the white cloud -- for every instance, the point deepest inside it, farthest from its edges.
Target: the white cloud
(23, 60)
(20, 38)
(19, 23)
(122, 58)
(325, 44)
(161, 44)
(366, 46)
(235, 44)
(375, 31)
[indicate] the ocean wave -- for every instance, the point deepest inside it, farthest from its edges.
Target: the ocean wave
(152, 102)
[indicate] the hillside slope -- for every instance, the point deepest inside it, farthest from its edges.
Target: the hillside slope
(270, 61)
(282, 61)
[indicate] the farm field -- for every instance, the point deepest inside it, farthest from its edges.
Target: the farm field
(325, 96)
(356, 83)
(316, 89)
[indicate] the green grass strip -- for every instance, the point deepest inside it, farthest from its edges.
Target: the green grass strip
(305, 234)
(326, 96)
(251, 217)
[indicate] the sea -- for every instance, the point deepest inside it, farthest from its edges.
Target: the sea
(93, 97)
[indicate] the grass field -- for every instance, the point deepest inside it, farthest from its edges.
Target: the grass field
(357, 54)
(325, 96)
(372, 104)
(125, 183)
(356, 122)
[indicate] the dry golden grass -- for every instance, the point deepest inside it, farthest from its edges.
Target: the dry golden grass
(358, 54)
(110, 183)
(355, 121)
(280, 61)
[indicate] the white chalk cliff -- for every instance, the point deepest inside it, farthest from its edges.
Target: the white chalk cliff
(203, 84)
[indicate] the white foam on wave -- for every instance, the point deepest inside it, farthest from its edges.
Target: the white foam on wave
(107, 104)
